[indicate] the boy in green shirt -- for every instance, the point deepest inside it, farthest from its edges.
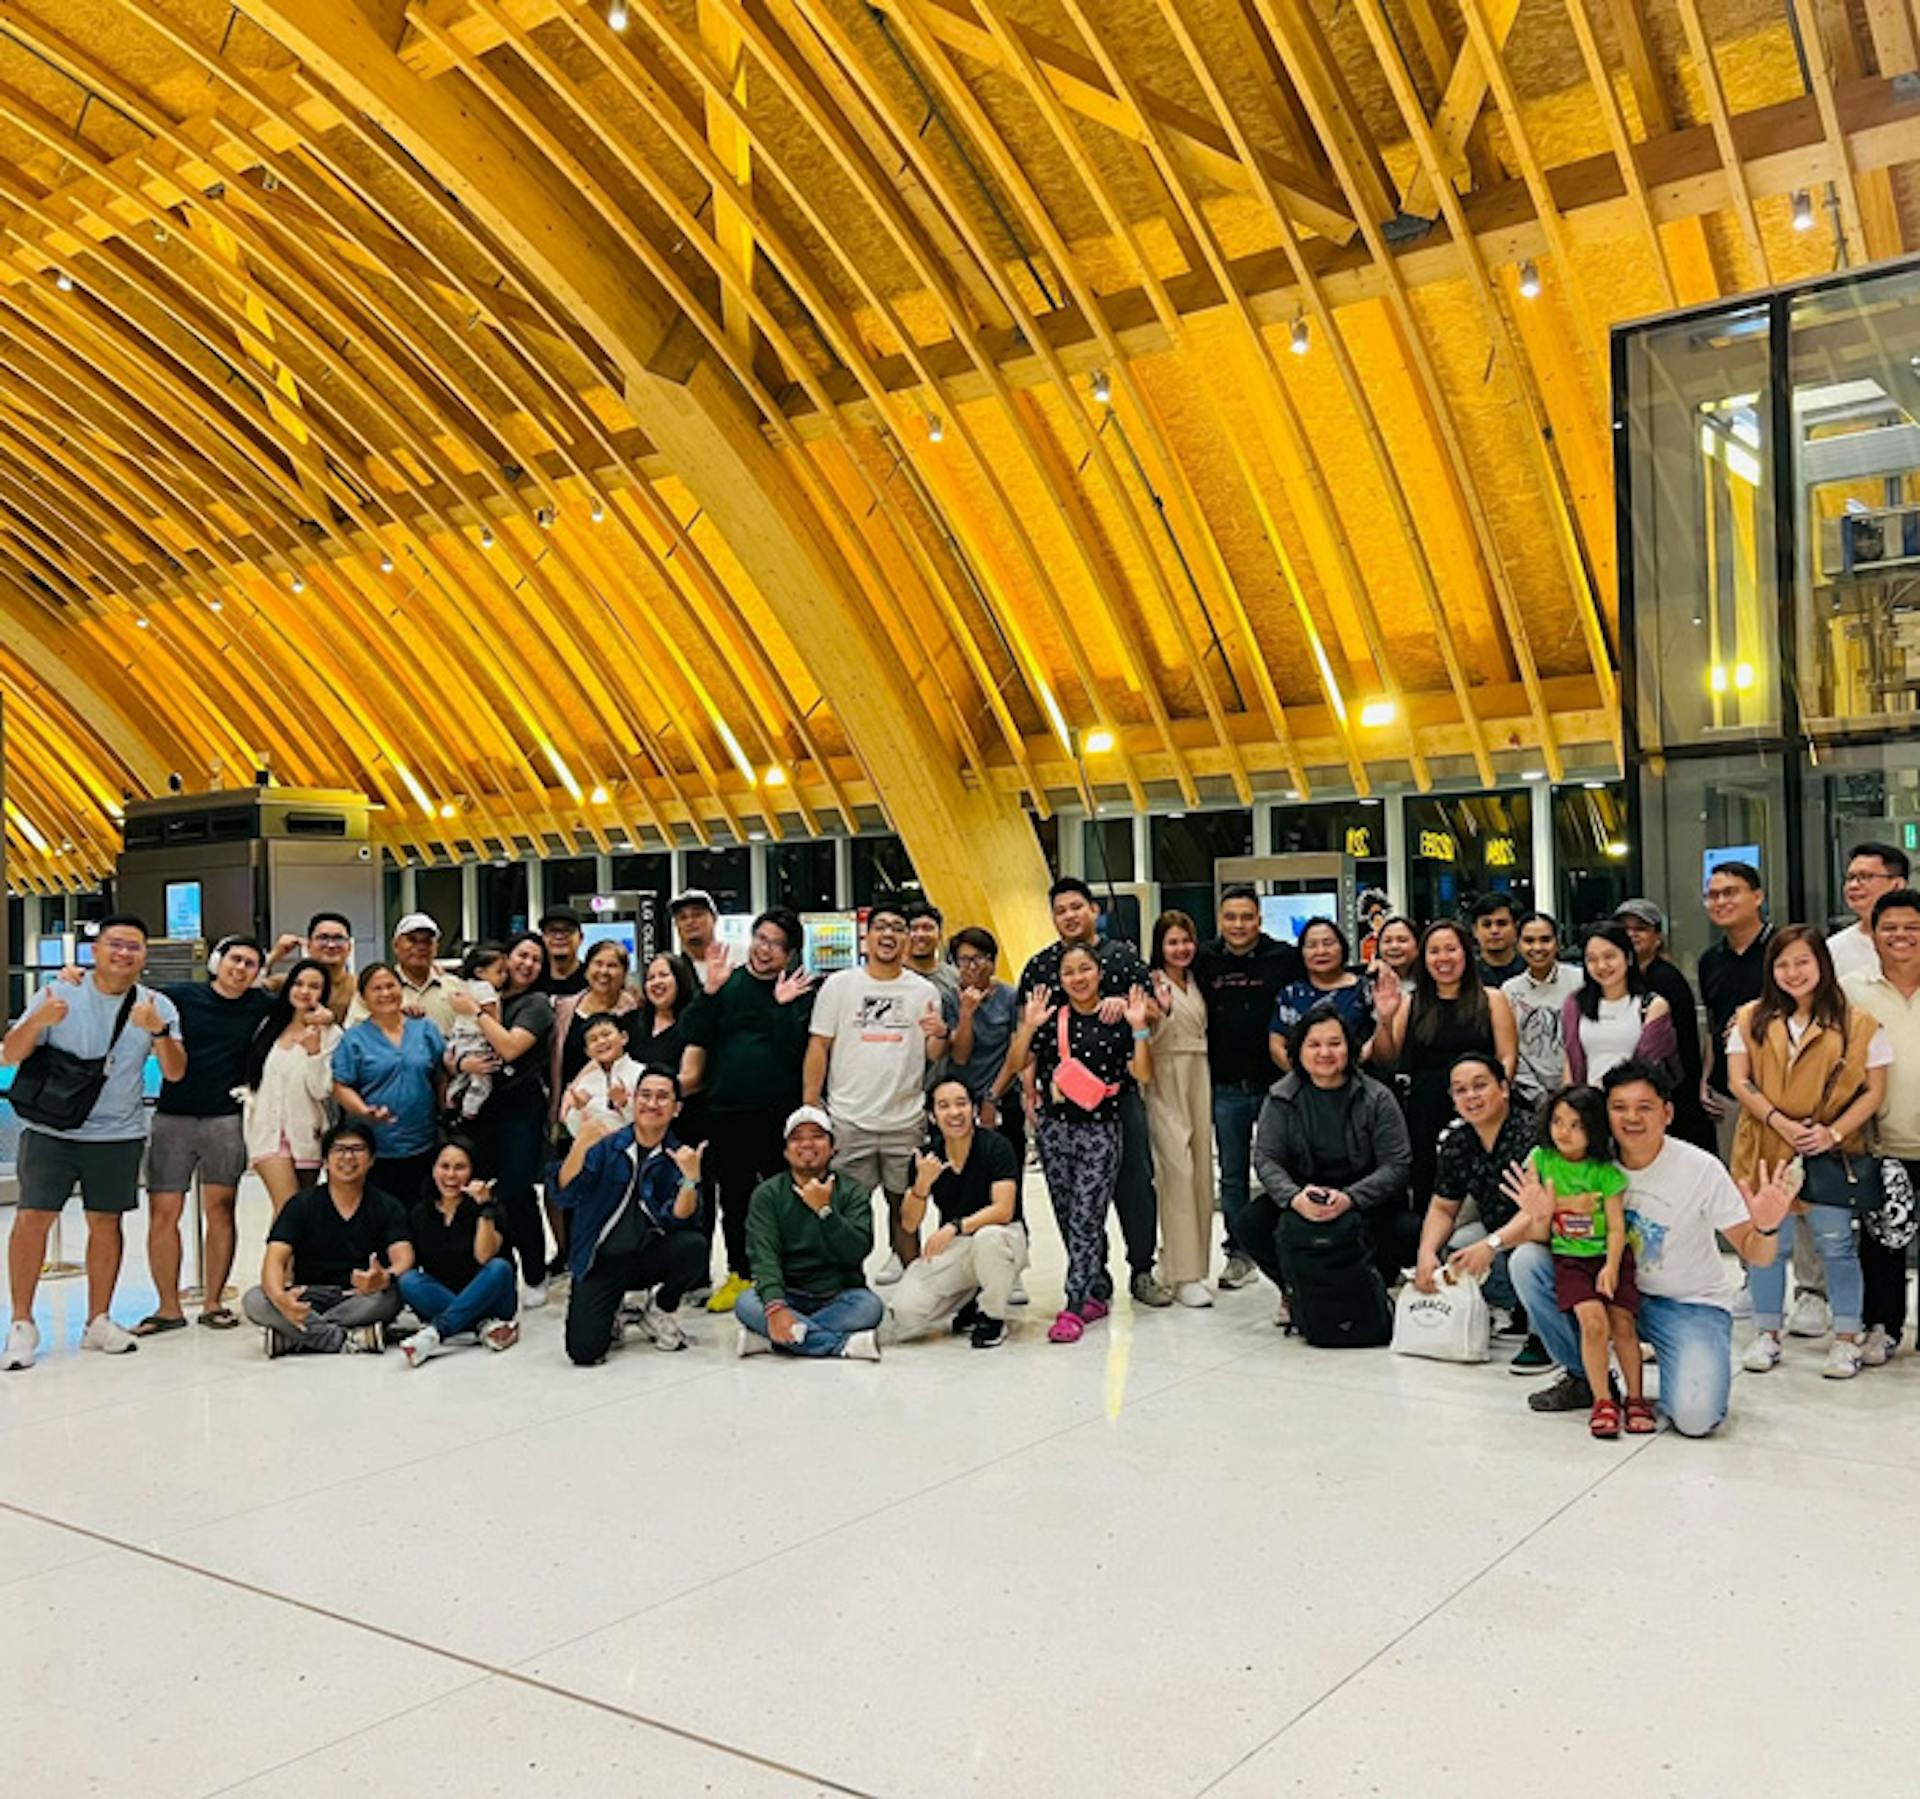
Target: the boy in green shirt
(809, 1232)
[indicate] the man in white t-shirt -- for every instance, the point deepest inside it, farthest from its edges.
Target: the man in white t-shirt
(1537, 995)
(873, 1032)
(1872, 869)
(1677, 1198)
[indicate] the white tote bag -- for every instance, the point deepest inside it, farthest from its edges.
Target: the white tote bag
(1450, 1324)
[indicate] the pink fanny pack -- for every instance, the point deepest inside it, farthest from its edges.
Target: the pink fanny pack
(1074, 1079)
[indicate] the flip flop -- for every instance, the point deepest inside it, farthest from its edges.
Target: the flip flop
(156, 1325)
(219, 1318)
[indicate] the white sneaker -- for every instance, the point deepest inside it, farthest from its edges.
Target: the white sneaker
(890, 1271)
(1193, 1293)
(533, 1298)
(1843, 1360)
(1878, 1349)
(862, 1346)
(1763, 1353)
(1812, 1316)
(422, 1344)
(1239, 1272)
(107, 1337)
(23, 1344)
(1018, 1296)
(661, 1326)
(747, 1343)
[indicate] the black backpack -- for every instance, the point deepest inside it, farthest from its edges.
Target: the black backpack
(1336, 1295)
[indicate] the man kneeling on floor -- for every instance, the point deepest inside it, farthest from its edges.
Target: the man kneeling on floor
(966, 1269)
(329, 1283)
(1677, 1198)
(809, 1232)
(634, 1192)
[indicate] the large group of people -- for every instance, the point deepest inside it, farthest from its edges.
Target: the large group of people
(446, 1144)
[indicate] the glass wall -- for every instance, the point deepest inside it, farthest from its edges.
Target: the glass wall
(881, 865)
(1857, 794)
(1353, 827)
(1185, 846)
(502, 899)
(643, 872)
(1106, 847)
(569, 880)
(801, 875)
(437, 892)
(726, 874)
(1463, 845)
(1591, 851)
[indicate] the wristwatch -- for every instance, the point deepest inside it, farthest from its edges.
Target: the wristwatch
(1494, 1243)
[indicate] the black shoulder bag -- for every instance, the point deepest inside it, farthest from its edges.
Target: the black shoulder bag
(56, 1089)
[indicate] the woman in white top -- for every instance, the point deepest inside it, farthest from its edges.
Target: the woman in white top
(1180, 1112)
(1613, 1018)
(289, 1080)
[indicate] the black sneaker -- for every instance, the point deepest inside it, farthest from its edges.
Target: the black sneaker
(966, 1318)
(1570, 1393)
(989, 1333)
(1531, 1359)
(1516, 1325)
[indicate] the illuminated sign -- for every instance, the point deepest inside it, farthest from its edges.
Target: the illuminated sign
(1436, 846)
(1500, 852)
(1359, 840)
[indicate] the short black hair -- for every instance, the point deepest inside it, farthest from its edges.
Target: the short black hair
(787, 922)
(973, 937)
(602, 1018)
(127, 921)
(348, 1127)
(1482, 1058)
(238, 941)
(1339, 936)
(1901, 899)
(1741, 871)
(1069, 884)
(1887, 854)
(366, 974)
(887, 905)
(1545, 918)
(950, 1080)
(1325, 1013)
(565, 915)
(1239, 890)
(659, 1071)
(1625, 1074)
(925, 908)
(320, 918)
(1490, 903)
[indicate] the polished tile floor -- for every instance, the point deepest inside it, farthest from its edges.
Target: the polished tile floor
(1185, 1556)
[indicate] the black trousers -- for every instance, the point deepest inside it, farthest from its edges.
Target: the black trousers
(510, 1135)
(1258, 1234)
(1134, 1197)
(672, 1263)
(743, 1149)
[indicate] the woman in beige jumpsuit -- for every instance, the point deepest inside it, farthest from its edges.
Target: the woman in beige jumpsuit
(1180, 1112)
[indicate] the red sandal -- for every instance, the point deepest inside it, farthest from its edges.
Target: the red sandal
(1604, 1420)
(1641, 1419)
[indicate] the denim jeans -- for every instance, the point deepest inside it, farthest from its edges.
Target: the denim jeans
(490, 1294)
(1694, 1343)
(1236, 1110)
(831, 1319)
(1831, 1228)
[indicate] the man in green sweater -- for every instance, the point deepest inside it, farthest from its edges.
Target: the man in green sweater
(808, 1233)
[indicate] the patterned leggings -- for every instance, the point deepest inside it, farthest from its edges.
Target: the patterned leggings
(1081, 1160)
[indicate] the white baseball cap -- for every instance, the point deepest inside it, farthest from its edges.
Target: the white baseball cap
(415, 921)
(807, 1115)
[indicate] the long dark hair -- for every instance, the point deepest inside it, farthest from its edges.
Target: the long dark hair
(1829, 1008)
(1169, 921)
(1589, 1105)
(1426, 1009)
(279, 1015)
(1589, 996)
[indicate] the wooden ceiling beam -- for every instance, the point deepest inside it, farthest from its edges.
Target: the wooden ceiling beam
(1459, 109)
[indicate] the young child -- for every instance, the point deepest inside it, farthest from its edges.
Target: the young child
(605, 1086)
(484, 969)
(1592, 1262)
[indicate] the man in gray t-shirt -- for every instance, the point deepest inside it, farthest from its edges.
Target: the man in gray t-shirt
(102, 1154)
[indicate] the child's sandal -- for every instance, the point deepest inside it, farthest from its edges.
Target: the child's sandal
(1641, 1420)
(1604, 1420)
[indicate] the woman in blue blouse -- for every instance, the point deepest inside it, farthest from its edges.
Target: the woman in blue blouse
(1328, 982)
(387, 1070)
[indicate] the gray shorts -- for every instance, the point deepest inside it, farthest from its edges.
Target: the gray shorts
(107, 1174)
(216, 1147)
(876, 1158)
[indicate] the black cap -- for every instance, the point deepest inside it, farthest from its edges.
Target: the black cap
(565, 915)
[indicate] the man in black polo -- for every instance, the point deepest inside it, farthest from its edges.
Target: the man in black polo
(1239, 973)
(1077, 920)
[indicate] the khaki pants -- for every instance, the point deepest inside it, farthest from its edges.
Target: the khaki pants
(1180, 1121)
(985, 1264)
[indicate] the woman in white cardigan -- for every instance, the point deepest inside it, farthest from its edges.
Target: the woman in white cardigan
(289, 1082)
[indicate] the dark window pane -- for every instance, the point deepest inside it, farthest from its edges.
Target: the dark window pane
(726, 874)
(436, 892)
(389, 900)
(569, 881)
(881, 865)
(1462, 846)
(1048, 831)
(801, 875)
(1591, 849)
(503, 899)
(1107, 846)
(644, 873)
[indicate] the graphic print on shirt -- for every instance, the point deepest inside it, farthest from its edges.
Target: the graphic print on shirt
(1648, 1239)
(882, 1018)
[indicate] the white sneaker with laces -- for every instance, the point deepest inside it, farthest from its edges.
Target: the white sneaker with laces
(1843, 1359)
(424, 1343)
(533, 1298)
(862, 1346)
(23, 1344)
(109, 1338)
(662, 1327)
(1878, 1349)
(1193, 1293)
(890, 1271)
(1812, 1316)
(1239, 1272)
(1763, 1353)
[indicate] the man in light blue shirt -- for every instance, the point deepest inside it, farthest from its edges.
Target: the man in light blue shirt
(102, 1154)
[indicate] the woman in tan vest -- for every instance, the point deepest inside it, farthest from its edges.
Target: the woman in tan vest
(1809, 1071)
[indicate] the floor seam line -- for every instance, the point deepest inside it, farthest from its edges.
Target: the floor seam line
(459, 1658)
(1432, 1611)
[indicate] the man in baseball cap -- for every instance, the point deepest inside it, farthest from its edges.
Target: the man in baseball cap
(1646, 928)
(809, 1231)
(694, 920)
(426, 992)
(560, 932)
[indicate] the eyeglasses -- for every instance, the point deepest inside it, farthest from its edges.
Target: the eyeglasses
(334, 938)
(349, 1149)
(122, 946)
(1860, 877)
(971, 960)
